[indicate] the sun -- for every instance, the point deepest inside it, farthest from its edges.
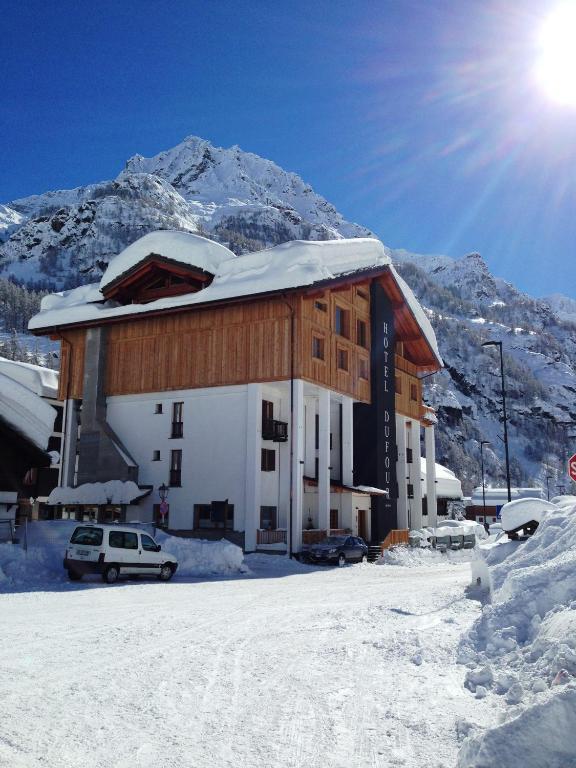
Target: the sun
(556, 66)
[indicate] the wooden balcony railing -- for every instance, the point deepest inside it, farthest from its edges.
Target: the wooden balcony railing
(277, 536)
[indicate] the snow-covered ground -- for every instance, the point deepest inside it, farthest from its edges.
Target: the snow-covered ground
(271, 663)
(288, 665)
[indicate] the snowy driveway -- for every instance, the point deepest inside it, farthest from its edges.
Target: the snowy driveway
(295, 667)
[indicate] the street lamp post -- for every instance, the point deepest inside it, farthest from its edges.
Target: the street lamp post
(482, 444)
(548, 478)
(505, 419)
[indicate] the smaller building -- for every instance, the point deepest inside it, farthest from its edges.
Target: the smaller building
(448, 490)
(30, 438)
(495, 499)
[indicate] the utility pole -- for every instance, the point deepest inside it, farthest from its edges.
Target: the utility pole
(504, 416)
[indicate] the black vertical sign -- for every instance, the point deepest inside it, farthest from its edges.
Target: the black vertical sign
(375, 424)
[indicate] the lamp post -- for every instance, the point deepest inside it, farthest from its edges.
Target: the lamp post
(482, 444)
(548, 478)
(163, 493)
(504, 417)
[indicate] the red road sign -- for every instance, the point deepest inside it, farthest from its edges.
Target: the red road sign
(572, 467)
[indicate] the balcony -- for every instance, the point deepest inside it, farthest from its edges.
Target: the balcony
(277, 431)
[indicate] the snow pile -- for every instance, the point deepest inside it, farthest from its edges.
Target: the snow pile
(521, 512)
(184, 247)
(197, 557)
(40, 567)
(523, 650)
(416, 557)
(110, 492)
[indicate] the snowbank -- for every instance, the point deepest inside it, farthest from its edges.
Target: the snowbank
(41, 566)
(197, 557)
(415, 557)
(523, 650)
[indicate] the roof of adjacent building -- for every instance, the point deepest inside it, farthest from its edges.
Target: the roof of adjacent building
(41, 381)
(297, 264)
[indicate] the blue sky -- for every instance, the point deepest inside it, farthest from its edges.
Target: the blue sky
(421, 120)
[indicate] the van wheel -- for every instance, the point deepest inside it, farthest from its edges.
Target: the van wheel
(166, 572)
(74, 575)
(111, 574)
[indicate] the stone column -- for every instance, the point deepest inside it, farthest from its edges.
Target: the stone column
(297, 437)
(324, 459)
(253, 464)
(310, 438)
(415, 473)
(402, 473)
(347, 438)
(430, 446)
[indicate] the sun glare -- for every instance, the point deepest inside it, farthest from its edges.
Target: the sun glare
(556, 67)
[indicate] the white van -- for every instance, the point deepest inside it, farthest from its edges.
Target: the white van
(112, 550)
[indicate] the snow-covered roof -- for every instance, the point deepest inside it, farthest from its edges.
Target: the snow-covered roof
(111, 492)
(296, 264)
(447, 484)
(41, 381)
(183, 247)
(26, 412)
(498, 496)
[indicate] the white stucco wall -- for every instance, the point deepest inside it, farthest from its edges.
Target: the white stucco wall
(213, 447)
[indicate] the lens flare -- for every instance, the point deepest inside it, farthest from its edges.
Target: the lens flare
(556, 66)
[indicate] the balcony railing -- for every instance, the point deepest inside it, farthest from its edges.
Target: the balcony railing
(177, 429)
(271, 537)
(275, 430)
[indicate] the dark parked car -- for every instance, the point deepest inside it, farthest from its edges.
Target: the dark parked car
(338, 550)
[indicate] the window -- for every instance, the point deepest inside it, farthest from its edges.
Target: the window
(342, 322)
(398, 384)
(267, 413)
(268, 518)
(176, 468)
(155, 455)
(320, 305)
(410, 491)
(148, 544)
(361, 334)
(123, 540)
(177, 420)
(216, 515)
(268, 460)
(342, 357)
(414, 393)
(318, 347)
(158, 408)
(333, 518)
(87, 537)
(363, 368)
(316, 468)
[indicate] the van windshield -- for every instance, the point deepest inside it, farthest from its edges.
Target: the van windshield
(88, 536)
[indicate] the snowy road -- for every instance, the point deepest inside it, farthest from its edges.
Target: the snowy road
(294, 667)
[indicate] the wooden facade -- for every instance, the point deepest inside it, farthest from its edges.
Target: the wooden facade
(321, 336)
(408, 389)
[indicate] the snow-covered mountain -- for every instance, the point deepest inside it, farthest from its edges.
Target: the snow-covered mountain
(66, 237)
(468, 305)
(237, 197)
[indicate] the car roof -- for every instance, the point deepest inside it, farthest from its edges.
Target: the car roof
(114, 527)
